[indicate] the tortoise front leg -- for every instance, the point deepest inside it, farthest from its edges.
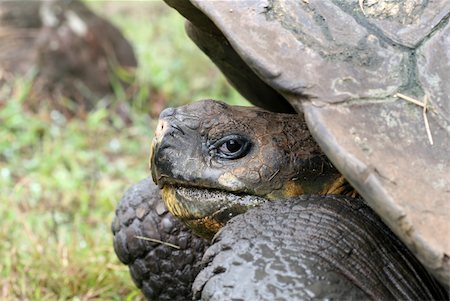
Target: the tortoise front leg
(161, 253)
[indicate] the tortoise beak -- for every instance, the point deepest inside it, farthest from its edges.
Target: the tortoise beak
(161, 129)
(166, 134)
(151, 161)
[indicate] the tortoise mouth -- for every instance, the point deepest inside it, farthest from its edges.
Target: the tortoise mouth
(205, 211)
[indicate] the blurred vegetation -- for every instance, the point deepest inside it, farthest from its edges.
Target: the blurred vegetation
(172, 69)
(60, 178)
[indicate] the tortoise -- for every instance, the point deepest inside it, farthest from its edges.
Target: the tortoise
(215, 161)
(371, 79)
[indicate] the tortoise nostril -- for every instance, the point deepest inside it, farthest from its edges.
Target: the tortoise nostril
(167, 127)
(167, 113)
(160, 129)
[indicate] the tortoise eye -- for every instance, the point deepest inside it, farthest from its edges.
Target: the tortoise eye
(232, 147)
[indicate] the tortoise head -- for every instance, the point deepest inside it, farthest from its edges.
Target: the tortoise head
(209, 158)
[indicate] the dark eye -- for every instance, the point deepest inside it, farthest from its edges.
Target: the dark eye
(232, 147)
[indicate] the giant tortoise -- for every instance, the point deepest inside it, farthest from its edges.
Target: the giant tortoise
(371, 79)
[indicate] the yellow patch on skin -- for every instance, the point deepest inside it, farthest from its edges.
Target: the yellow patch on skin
(336, 187)
(205, 227)
(169, 196)
(229, 180)
(291, 189)
(340, 186)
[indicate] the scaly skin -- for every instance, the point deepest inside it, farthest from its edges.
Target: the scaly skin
(215, 161)
(306, 247)
(161, 271)
(312, 248)
(281, 160)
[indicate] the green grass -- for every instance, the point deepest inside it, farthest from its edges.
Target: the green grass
(60, 179)
(169, 62)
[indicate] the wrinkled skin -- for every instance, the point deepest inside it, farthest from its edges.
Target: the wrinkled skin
(312, 248)
(233, 152)
(187, 149)
(316, 246)
(341, 64)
